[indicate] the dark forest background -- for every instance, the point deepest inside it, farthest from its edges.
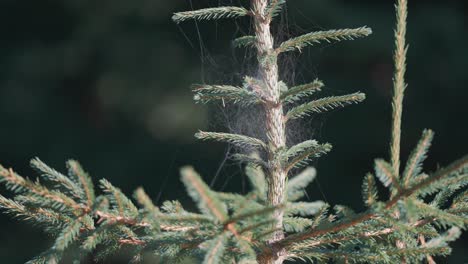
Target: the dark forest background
(107, 82)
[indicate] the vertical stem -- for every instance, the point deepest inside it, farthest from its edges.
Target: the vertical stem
(399, 84)
(399, 87)
(275, 125)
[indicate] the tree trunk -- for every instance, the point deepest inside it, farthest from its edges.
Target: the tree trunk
(275, 125)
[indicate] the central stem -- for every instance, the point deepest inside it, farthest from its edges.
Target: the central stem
(275, 124)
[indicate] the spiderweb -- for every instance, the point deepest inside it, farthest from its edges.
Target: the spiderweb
(221, 67)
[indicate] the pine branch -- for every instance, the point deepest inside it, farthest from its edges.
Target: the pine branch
(38, 216)
(253, 161)
(301, 153)
(297, 184)
(67, 236)
(257, 225)
(296, 224)
(459, 183)
(111, 219)
(324, 104)
(247, 255)
(215, 250)
(244, 42)
(59, 179)
(399, 84)
(123, 205)
(297, 93)
(430, 184)
(414, 165)
(235, 139)
(200, 193)
(320, 216)
(275, 7)
(304, 208)
(451, 235)
(361, 232)
(318, 37)
(211, 14)
(225, 93)
(458, 165)
(20, 185)
(383, 255)
(262, 213)
(144, 200)
(442, 218)
(75, 170)
(98, 236)
(460, 200)
(257, 180)
(386, 175)
(369, 190)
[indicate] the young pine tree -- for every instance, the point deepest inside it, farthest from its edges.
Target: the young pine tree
(270, 224)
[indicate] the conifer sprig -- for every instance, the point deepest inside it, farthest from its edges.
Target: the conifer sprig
(81, 177)
(225, 93)
(200, 193)
(324, 104)
(115, 221)
(458, 167)
(386, 175)
(369, 190)
(299, 92)
(211, 13)
(399, 85)
(298, 183)
(414, 165)
(248, 159)
(235, 139)
(299, 154)
(57, 178)
(310, 39)
(257, 180)
(274, 7)
(244, 42)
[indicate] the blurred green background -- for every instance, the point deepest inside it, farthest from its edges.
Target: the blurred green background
(107, 82)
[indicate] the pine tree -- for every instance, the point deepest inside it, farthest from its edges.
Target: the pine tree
(421, 215)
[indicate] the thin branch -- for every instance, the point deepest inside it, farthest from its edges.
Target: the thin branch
(318, 37)
(456, 166)
(399, 84)
(211, 13)
(235, 139)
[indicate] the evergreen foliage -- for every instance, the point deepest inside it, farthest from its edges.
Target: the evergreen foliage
(298, 92)
(270, 224)
(324, 104)
(318, 37)
(211, 13)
